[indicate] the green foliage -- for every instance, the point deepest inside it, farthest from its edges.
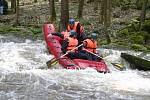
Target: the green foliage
(36, 30)
(101, 41)
(145, 35)
(125, 7)
(140, 3)
(146, 26)
(133, 27)
(138, 47)
(136, 39)
(9, 29)
(123, 33)
(85, 22)
(124, 4)
(148, 47)
(122, 43)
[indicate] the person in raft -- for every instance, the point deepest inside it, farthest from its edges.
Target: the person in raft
(89, 47)
(78, 28)
(70, 43)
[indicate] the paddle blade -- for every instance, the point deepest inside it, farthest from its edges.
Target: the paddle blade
(118, 66)
(51, 62)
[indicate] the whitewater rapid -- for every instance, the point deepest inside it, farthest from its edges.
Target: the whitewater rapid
(25, 76)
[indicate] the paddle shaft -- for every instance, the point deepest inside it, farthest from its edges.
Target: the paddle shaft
(94, 54)
(65, 54)
(115, 64)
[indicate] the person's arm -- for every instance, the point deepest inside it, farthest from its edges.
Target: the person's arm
(64, 46)
(80, 31)
(83, 35)
(58, 34)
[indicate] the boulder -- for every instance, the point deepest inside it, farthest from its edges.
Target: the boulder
(136, 62)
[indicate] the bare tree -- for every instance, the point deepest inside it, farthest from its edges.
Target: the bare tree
(13, 5)
(101, 10)
(80, 9)
(64, 14)
(105, 17)
(109, 12)
(143, 14)
(35, 1)
(137, 1)
(17, 12)
(52, 10)
(96, 5)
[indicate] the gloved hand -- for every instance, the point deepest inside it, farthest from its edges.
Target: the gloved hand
(84, 43)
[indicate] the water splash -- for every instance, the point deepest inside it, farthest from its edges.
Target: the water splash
(24, 75)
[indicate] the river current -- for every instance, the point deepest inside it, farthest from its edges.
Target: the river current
(25, 76)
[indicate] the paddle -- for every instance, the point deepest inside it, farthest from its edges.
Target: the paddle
(118, 66)
(54, 60)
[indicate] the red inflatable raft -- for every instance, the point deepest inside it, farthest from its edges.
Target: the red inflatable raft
(53, 43)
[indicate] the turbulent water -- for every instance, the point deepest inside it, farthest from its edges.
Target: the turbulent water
(24, 76)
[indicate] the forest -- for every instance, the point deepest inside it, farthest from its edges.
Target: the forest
(74, 49)
(121, 24)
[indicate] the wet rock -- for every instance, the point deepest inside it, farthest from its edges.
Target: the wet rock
(136, 62)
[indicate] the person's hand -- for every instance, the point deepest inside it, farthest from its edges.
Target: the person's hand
(84, 43)
(68, 52)
(49, 35)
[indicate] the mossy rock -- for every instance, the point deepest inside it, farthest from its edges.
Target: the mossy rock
(135, 39)
(138, 47)
(136, 62)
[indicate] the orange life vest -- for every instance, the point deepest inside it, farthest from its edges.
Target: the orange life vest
(66, 34)
(73, 42)
(91, 45)
(74, 27)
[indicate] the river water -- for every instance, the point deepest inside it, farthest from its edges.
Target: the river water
(24, 76)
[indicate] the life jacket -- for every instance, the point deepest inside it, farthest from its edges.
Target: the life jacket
(66, 34)
(90, 46)
(74, 27)
(73, 42)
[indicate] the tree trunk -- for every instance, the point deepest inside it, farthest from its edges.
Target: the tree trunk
(101, 8)
(96, 5)
(109, 13)
(13, 6)
(143, 14)
(105, 20)
(35, 1)
(52, 10)
(64, 15)
(17, 13)
(80, 9)
(137, 1)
